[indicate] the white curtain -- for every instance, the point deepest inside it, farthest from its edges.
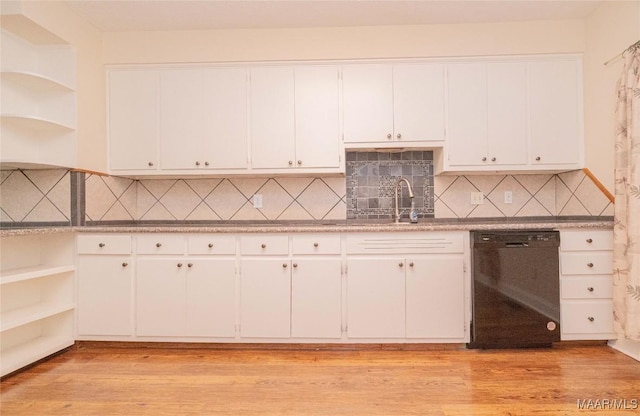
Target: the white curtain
(626, 249)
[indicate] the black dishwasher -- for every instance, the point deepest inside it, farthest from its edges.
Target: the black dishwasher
(516, 294)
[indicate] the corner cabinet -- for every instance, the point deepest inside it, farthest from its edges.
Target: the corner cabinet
(38, 115)
(517, 114)
(37, 283)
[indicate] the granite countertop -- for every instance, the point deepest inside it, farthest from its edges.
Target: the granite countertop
(529, 223)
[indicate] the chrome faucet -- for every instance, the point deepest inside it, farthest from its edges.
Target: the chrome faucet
(397, 214)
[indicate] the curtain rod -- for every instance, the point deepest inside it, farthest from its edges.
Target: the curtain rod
(631, 49)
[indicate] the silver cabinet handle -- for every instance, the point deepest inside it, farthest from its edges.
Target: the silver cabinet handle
(493, 159)
(125, 264)
(101, 245)
(210, 245)
(399, 136)
(589, 264)
(389, 136)
(158, 245)
(291, 163)
(589, 240)
(591, 319)
(206, 163)
(484, 159)
(197, 163)
(299, 162)
(590, 289)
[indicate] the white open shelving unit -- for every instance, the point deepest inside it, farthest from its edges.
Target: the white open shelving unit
(37, 302)
(38, 111)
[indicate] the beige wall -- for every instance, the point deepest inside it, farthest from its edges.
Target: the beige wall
(344, 43)
(91, 91)
(609, 30)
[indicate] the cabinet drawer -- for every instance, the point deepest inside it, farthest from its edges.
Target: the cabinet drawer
(211, 244)
(586, 240)
(264, 245)
(406, 243)
(316, 244)
(587, 317)
(104, 244)
(160, 244)
(586, 263)
(592, 287)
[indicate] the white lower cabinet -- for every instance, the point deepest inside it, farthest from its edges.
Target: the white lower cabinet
(265, 298)
(105, 297)
(185, 297)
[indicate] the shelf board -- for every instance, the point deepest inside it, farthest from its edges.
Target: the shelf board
(36, 81)
(26, 273)
(18, 317)
(35, 349)
(33, 122)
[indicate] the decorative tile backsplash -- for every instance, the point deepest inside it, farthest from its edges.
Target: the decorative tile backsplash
(120, 199)
(372, 178)
(35, 196)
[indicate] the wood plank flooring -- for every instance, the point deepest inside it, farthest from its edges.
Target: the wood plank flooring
(97, 380)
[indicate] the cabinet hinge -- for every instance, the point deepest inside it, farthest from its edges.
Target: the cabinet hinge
(464, 266)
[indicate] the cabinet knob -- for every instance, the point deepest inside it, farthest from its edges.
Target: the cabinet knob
(263, 246)
(493, 159)
(589, 240)
(150, 163)
(399, 136)
(295, 265)
(484, 159)
(316, 245)
(411, 264)
(590, 289)
(538, 158)
(299, 162)
(189, 264)
(158, 245)
(591, 319)
(125, 264)
(589, 264)
(401, 264)
(101, 245)
(284, 265)
(197, 163)
(389, 136)
(291, 163)
(210, 245)
(179, 264)
(206, 163)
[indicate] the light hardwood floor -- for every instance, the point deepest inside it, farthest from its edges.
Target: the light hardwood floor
(373, 380)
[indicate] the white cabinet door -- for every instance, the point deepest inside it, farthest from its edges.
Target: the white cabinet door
(225, 129)
(418, 102)
(211, 297)
(507, 113)
(265, 298)
(134, 119)
(160, 297)
(367, 97)
(467, 130)
(317, 117)
(272, 122)
(316, 301)
(181, 109)
(554, 101)
(376, 298)
(435, 298)
(105, 287)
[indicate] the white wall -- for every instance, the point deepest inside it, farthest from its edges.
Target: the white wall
(609, 30)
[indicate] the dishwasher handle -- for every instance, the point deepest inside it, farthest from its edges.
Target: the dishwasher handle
(517, 244)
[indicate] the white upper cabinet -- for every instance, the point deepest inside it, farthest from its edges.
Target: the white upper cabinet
(393, 103)
(203, 121)
(272, 117)
(555, 99)
(487, 114)
(521, 114)
(134, 119)
(38, 103)
(295, 118)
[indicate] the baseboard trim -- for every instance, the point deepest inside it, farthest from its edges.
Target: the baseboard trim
(627, 347)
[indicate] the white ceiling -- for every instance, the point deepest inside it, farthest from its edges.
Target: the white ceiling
(146, 15)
